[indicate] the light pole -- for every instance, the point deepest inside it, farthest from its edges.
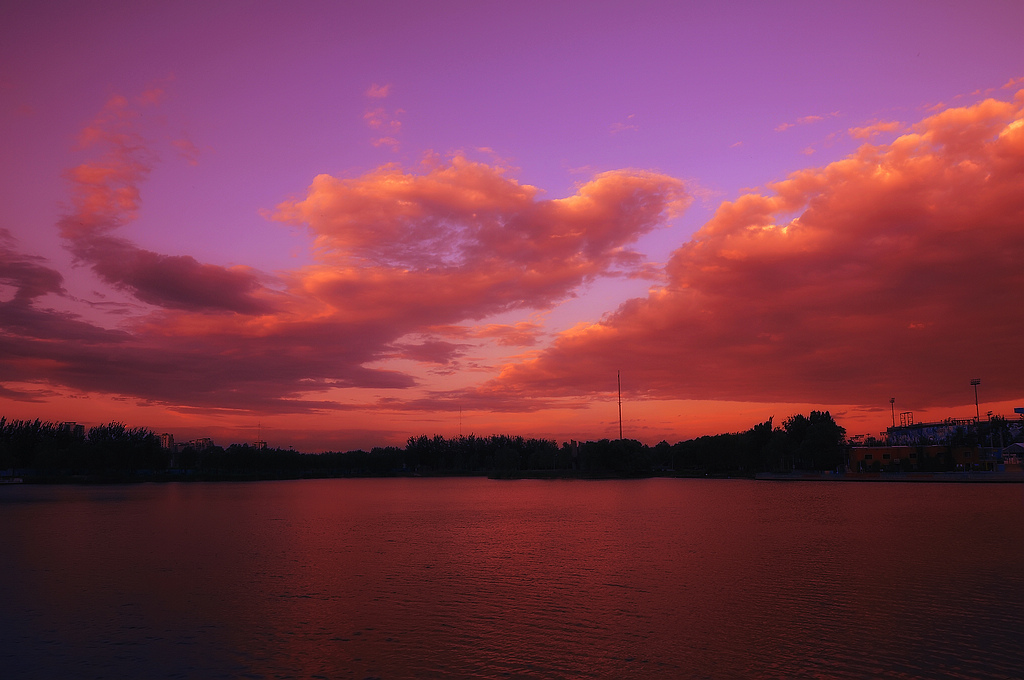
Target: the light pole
(977, 411)
(618, 379)
(892, 407)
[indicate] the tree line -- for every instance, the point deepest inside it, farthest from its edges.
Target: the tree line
(45, 451)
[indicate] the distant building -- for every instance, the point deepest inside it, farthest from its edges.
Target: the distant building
(201, 443)
(917, 458)
(167, 441)
(923, 434)
(1013, 457)
(962, 444)
(259, 445)
(74, 428)
(1016, 449)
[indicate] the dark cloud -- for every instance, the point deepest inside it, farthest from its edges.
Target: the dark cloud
(177, 281)
(106, 196)
(430, 351)
(26, 274)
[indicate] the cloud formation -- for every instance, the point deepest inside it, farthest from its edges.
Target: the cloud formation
(376, 91)
(27, 275)
(873, 129)
(463, 241)
(842, 284)
(804, 120)
(398, 254)
(895, 270)
(106, 197)
(384, 122)
(625, 125)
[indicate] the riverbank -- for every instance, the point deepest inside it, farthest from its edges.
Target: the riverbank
(942, 477)
(796, 476)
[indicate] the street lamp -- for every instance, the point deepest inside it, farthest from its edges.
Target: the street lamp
(977, 411)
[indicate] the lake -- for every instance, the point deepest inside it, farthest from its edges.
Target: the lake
(477, 578)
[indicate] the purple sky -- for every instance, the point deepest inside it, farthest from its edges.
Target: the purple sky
(447, 131)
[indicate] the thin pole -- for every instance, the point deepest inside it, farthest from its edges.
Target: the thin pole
(618, 378)
(977, 411)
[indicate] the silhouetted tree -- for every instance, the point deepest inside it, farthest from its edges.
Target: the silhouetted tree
(816, 442)
(116, 447)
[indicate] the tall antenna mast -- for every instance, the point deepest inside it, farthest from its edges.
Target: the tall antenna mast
(618, 378)
(259, 444)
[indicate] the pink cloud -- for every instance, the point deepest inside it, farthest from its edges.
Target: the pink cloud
(873, 129)
(519, 334)
(387, 124)
(899, 273)
(376, 91)
(522, 334)
(804, 120)
(390, 142)
(624, 126)
(381, 119)
(187, 150)
(153, 96)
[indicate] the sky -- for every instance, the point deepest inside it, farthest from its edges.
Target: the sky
(336, 225)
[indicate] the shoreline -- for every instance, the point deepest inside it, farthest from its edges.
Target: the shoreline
(927, 477)
(1014, 477)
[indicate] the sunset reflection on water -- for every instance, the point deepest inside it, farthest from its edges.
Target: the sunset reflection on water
(409, 578)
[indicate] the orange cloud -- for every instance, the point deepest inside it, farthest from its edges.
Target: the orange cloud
(404, 253)
(900, 271)
(471, 216)
(401, 253)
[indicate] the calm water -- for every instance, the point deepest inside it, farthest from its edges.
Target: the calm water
(473, 578)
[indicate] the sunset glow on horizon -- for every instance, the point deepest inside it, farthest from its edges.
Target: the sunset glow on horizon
(350, 223)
